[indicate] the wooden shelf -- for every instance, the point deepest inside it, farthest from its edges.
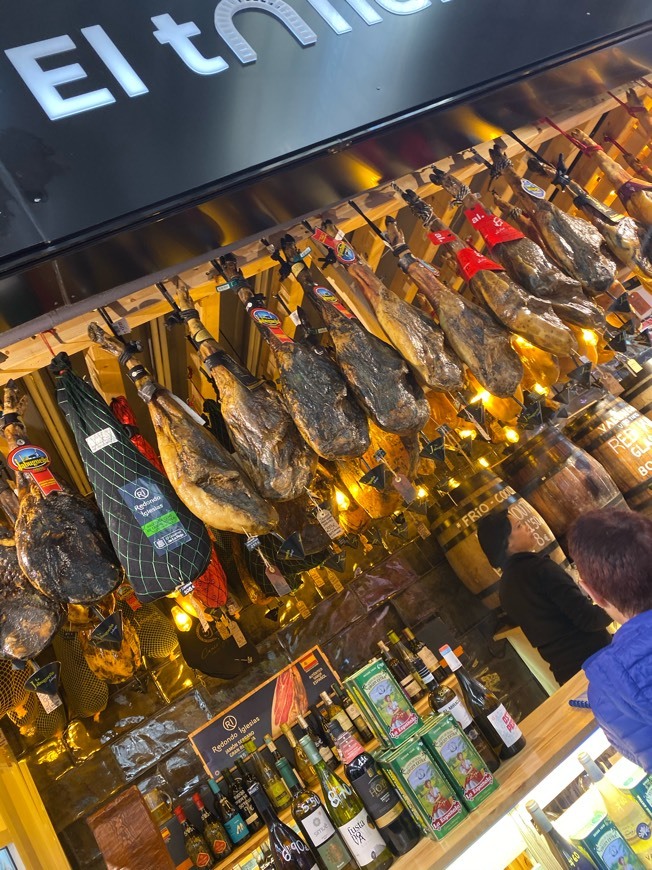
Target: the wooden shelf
(553, 732)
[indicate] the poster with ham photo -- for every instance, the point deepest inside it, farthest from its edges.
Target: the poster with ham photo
(275, 702)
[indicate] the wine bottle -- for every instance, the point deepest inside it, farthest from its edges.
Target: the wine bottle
(315, 825)
(267, 861)
(301, 763)
(269, 743)
(287, 848)
(502, 733)
(413, 663)
(241, 799)
(269, 778)
(362, 838)
(197, 848)
(213, 830)
(228, 814)
(426, 655)
(562, 851)
(324, 749)
(334, 711)
(411, 689)
(624, 811)
(443, 699)
(353, 712)
(380, 798)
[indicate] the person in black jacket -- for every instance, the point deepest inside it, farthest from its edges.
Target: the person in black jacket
(537, 594)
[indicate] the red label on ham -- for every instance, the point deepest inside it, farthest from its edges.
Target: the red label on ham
(442, 237)
(470, 262)
(493, 229)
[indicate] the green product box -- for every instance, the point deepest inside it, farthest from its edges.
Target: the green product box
(634, 781)
(407, 798)
(604, 843)
(428, 789)
(394, 717)
(458, 759)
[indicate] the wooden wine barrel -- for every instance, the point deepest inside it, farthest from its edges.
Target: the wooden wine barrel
(559, 479)
(620, 438)
(638, 390)
(455, 527)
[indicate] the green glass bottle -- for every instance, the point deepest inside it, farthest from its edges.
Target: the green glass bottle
(213, 830)
(274, 786)
(361, 836)
(229, 815)
(315, 825)
(301, 763)
(197, 848)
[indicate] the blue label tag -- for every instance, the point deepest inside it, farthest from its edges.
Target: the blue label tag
(154, 515)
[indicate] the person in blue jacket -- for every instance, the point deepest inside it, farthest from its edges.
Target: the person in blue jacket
(612, 551)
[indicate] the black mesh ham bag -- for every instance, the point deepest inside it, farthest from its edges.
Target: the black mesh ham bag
(160, 543)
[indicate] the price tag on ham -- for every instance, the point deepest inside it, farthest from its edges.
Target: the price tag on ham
(329, 524)
(343, 251)
(492, 228)
(470, 262)
(405, 489)
(326, 295)
(264, 318)
(277, 580)
(108, 634)
(442, 237)
(34, 461)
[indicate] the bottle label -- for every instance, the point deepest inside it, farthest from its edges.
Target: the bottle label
(318, 827)
(326, 753)
(379, 798)
(410, 686)
(344, 721)
(236, 828)
(429, 659)
(202, 859)
(218, 846)
(459, 711)
(505, 727)
(363, 838)
(353, 711)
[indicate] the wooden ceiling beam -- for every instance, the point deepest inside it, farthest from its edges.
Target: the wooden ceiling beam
(105, 372)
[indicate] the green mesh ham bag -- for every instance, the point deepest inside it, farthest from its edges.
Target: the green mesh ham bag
(160, 544)
(85, 694)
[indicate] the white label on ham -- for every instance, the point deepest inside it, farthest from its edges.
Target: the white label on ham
(49, 702)
(329, 524)
(101, 439)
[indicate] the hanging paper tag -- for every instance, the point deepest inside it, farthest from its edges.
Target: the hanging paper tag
(329, 524)
(108, 634)
(302, 607)
(295, 317)
(223, 627)
(236, 634)
(337, 584)
(292, 547)
(405, 489)
(380, 454)
(326, 295)
(307, 250)
(337, 562)
(120, 326)
(252, 543)
(277, 580)
(470, 262)
(201, 613)
(264, 318)
(442, 237)
(342, 250)
(423, 530)
(99, 440)
(492, 228)
(45, 682)
(610, 383)
(532, 188)
(34, 461)
(634, 366)
(376, 477)
(435, 449)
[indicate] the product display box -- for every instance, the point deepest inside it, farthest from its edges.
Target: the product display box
(391, 716)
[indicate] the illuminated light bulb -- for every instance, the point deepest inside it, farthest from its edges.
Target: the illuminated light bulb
(540, 389)
(342, 501)
(181, 619)
(453, 483)
(422, 492)
(512, 435)
(483, 462)
(187, 605)
(522, 342)
(589, 336)
(482, 396)
(467, 433)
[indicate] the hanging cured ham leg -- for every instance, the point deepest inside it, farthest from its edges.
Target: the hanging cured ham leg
(521, 313)
(481, 343)
(202, 473)
(574, 243)
(525, 261)
(278, 461)
(635, 195)
(62, 544)
(416, 337)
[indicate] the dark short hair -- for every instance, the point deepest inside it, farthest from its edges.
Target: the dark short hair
(494, 530)
(613, 554)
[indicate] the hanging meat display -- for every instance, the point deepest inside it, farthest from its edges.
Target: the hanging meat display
(315, 392)
(379, 378)
(114, 664)
(525, 261)
(62, 544)
(132, 494)
(523, 314)
(481, 343)
(573, 242)
(416, 337)
(202, 473)
(265, 438)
